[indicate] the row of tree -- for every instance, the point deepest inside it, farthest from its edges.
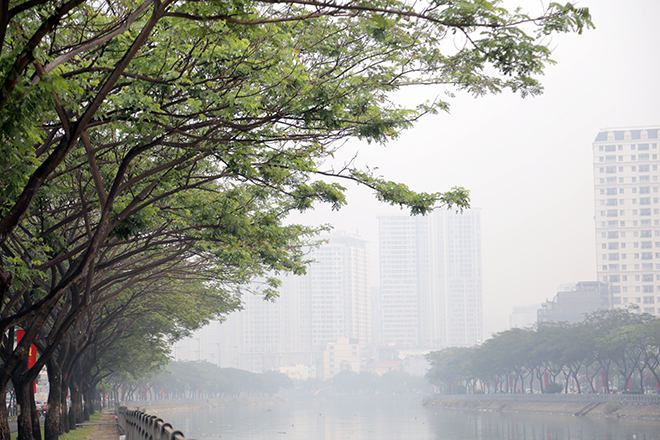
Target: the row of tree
(609, 347)
(150, 152)
(190, 380)
(198, 380)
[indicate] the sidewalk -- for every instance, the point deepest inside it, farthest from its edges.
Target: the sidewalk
(107, 428)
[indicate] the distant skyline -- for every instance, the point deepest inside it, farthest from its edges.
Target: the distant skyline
(527, 162)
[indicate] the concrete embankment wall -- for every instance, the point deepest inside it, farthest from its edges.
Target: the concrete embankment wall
(582, 408)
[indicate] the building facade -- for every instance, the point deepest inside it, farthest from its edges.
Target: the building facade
(430, 272)
(627, 214)
(574, 301)
(328, 305)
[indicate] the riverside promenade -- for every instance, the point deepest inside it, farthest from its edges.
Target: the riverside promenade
(107, 427)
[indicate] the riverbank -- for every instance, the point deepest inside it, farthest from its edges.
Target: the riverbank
(650, 411)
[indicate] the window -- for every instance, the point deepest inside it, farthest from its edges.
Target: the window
(644, 157)
(613, 213)
(610, 147)
(610, 158)
(643, 168)
(613, 257)
(611, 180)
(616, 300)
(643, 179)
(645, 190)
(647, 255)
(613, 234)
(647, 277)
(646, 245)
(645, 234)
(615, 279)
(643, 147)
(612, 245)
(613, 202)
(611, 191)
(621, 190)
(644, 200)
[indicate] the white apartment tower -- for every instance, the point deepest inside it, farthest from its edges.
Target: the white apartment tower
(627, 214)
(330, 303)
(430, 271)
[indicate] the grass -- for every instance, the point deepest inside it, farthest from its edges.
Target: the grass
(80, 433)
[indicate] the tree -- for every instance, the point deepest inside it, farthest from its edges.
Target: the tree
(112, 112)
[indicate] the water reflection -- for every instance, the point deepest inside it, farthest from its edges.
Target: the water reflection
(393, 418)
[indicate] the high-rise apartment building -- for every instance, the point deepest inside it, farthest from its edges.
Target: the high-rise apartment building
(430, 272)
(627, 214)
(328, 304)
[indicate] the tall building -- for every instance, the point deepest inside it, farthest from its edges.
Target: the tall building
(430, 272)
(627, 214)
(330, 303)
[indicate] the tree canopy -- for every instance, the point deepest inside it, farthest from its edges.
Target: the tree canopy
(610, 349)
(145, 142)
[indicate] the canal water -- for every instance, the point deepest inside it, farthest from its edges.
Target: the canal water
(393, 418)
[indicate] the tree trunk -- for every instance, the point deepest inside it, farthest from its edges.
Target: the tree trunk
(53, 426)
(76, 410)
(27, 409)
(4, 417)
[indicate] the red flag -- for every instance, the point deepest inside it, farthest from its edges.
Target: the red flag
(32, 356)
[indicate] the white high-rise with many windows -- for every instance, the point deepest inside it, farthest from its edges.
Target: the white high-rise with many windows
(430, 272)
(627, 214)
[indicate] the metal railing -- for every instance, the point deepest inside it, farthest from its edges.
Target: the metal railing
(137, 425)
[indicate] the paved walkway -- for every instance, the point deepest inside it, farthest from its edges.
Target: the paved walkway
(107, 428)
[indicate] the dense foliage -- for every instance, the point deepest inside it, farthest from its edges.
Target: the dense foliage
(611, 350)
(150, 151)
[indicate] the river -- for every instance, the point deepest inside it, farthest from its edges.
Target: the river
(393, 418)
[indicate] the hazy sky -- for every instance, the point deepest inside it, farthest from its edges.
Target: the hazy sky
(527, 162)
